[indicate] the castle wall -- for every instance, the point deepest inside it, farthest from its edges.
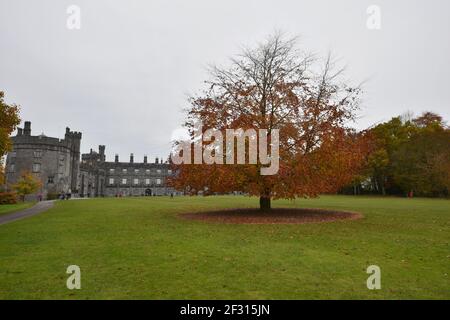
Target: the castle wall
(137, 179)
(113, 179)
(56, 162)
(51, 160)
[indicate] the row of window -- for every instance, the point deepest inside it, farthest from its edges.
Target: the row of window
(138, 171)
(135, 181)
(36, 168)
(36, 154)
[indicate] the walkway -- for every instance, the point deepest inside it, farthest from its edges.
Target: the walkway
(36, 209)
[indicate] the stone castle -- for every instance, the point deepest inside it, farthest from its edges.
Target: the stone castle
(56, 162)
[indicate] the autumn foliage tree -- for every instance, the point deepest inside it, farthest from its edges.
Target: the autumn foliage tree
(9, 120)
(387, 138)
(27, 184)
(276, 86)
(422, 165)
(409, 156)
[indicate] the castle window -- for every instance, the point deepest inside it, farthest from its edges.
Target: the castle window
(50, 180)
(62, 158)
(147, 171)
(147, 181)
(111, 170)
(169, 171)
(158, 171)
(136, 181)
(136, 170)
(111, 180)
(124, 181)
(124, 170)
(37, 153)
(12, 168)
(158, 181)
(36, 167)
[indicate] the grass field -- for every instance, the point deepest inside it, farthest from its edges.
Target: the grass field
(139, 248)
(10, 208)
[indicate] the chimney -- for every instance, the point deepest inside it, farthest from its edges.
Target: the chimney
(27, 128)
(116, 160)
(156, 160)
(19, 131)
(131, 158)
(145, 159)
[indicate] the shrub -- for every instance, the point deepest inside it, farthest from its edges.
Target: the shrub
(8, 198)
(27, 184)
(52, 196)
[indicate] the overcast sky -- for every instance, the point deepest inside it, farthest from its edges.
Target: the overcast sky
(123, 78)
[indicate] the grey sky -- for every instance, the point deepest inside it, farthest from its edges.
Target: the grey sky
(124, 77)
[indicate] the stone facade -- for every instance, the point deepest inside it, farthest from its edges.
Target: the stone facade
(100, 178)
(54, 161)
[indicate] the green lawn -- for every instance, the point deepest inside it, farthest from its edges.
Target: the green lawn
(10, 208)
(139, 248)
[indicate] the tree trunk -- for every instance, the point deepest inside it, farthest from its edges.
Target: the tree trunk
(264, 203)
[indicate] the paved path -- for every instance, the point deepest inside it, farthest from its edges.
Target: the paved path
(38, 208)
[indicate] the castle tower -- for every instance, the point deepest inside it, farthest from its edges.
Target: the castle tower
(73, 140)
(27, 128)
(101, 151)
(52, 160)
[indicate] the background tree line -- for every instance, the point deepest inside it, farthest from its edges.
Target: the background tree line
(409, 156)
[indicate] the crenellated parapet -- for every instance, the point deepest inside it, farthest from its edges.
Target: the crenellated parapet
(71, 141)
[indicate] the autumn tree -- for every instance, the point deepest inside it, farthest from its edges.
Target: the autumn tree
(387, 137)
(429, 119)
(2, 177)
(277, 86)
(9, 120)
(422, 164)
(27, 184)
(409, 154)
